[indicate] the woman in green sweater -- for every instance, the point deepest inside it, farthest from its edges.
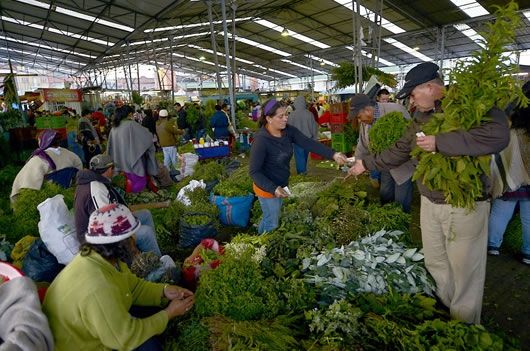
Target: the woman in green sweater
(88, 303)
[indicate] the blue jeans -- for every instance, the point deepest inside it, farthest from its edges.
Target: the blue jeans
(391, 192)
(375, 175)
(300, 158)
(271, 208)
(145, 235)
(501, 213)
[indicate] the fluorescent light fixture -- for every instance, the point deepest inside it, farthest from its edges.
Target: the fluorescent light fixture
(196, 59)
(218, 53)
(145, 42)
(202, 58)
(275, 70)
(302, 66)
(193, 25)
(471, 8)
(261, 46)
(471, 34)
(322, 63)
(527, 15)
(319, 59)
(44, 46)
(293, 34)
(416, 48)
(55, 30)
(42, 56)
(77, 15)
(79, 36)
(35, 3)
(190, 35)
(408, 49)
(371, 16)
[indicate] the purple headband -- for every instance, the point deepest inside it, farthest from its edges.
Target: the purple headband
(268, 107)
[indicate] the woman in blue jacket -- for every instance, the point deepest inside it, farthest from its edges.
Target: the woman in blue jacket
(219, 123)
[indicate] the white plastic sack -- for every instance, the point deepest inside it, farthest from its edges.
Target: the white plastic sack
(182, 197)
(187, 164)
(57, 229)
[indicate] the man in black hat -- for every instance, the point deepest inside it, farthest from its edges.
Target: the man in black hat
(396, 184)
(454, 239)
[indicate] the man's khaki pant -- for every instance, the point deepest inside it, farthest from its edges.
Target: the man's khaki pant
(455, 246)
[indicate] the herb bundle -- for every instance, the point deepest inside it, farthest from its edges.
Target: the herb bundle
(476, 86)
(386, 131)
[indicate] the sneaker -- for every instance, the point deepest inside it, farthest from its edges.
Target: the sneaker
(492, 251)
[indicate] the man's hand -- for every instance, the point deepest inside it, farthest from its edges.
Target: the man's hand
(280, 192)
(179, 307)
(427, 143)
(172, 292)
(356, 169)
(340, 158)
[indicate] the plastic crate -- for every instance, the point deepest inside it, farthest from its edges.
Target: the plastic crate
(341, 147)
(338, 137)
(336, 128)
(339, 118)
(339, 108)
(213, 152)
(50, 122)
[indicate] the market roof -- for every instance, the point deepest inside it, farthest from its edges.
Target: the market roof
(79, 36)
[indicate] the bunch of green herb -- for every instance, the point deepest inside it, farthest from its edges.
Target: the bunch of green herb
(145, 197)
(7, 176)
(187, 335)
(372, 264)
(11, 119)
(238, 184)
(186, 148)
(386, 131)
(256, 213)
(338, 325)
(278, 334)
(296, 295)
(236, 289)
(25, 214)
(350, 224)
(476, 86)
(389, 217)
(196, 219)
(452, 335)
(209, 171)
(337, 195)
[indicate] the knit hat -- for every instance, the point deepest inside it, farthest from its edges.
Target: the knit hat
(163, 113)
(111, 224)
(101, 162)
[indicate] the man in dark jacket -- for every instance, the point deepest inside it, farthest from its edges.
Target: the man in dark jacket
(454, 239)
(94, 190)
(182, 122)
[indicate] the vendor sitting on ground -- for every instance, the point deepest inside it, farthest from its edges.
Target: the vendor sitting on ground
(88, 303)
(47, 158)
(94, 191)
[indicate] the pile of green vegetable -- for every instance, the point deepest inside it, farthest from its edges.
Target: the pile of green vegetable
(386, 131)
(476, 86)
(238, 184)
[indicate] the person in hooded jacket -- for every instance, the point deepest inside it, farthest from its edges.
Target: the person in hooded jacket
(94, 190)
(304, 121)
(270, 156)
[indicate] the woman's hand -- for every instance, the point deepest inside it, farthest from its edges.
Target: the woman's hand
(172, 292)
(280, 192)
(340, 158)
(179, 307)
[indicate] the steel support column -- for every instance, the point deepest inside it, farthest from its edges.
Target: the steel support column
(228, 68)
(214, 48)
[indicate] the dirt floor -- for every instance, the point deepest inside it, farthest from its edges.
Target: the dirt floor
(506, 305)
